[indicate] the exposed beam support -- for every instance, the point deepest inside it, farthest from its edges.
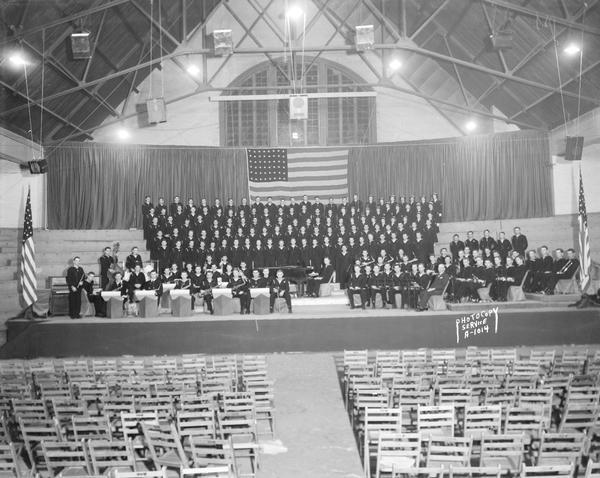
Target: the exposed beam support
(528, 12)
(43, 108)
(491, 28)
(548, 95)
(540, 47)
(95, 44)
(157, 25)
(457, 75)
(429, 19)
(67, 19)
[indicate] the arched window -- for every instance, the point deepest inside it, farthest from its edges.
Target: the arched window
(331, 121)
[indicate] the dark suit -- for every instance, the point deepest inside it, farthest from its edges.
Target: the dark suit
(357, 284)
(281, 289)
(96, 299)
(75, 278)
(519, 243)
(565, 272)
(105, 263)
(437, 288)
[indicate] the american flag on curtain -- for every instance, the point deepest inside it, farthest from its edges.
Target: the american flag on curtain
(284, 173)
(28, 279)
(584, 239)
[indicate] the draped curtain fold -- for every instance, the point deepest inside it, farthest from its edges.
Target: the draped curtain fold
(101, 186)
(500, 176)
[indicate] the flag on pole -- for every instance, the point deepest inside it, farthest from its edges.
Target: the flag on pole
(284, 173)
(28, 279)
(584, 239)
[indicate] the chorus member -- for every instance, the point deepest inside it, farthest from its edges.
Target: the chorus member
(133, 259)
(75, 278)
(503, 245)
(93, 296)
(519, 241)
(564, 269)
(456, 245)
(280, 288)
(471, 242)
(545, 269)
(184, 282)
(136, 281)
(376, 284)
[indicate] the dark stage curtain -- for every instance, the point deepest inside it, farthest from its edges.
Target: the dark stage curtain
(102, 186)
(500, 176)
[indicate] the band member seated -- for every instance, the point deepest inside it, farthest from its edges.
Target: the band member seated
(239, 289)
(257, 281)
(206, 285)
(120, 285)
(93, 297)
(280, 288)
(106, 260)
(136, 281)
(394, 284)
(376, 283)
(326, 275)
(563, 269)
(357, 284)
(436, 287)
(75, 278)
(266, 278)
(545, 269)
(514, 276)
(184, 281)
(133, 259)
(154, 283)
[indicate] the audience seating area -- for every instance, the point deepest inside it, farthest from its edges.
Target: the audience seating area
(135, 417)
(475, 412)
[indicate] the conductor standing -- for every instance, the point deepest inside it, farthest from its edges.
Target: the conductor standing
(75, 278)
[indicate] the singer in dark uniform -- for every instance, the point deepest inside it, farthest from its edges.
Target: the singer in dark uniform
(75, 278)
(280, 288)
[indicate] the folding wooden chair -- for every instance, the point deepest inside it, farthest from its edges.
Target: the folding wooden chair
(10, 463)
(482, 420)
(63, 410)
(130, 426)
(163, 406)
(355, 359)
(91, 428)
(109, 456)
(166, 364)
(241, 429)
(164, 446)
(550, 471)
(401, 450)
(264, 401)
(578, 417)
(561, 448)
(201, 424)
(35, 431)
(446, 451)
(435, 420)
(158, 473)
(530, 421)
(475, 471)
(506, 451)
(69, 458)
(377, 421)
(30, 409)
(592, 470)
(211, 457)
(90, 392)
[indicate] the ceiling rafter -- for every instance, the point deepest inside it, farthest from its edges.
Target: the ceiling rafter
(513, 7)
(533, 53)
(492, 30)
(94, 46)
(457, 74)
(429, 19)
(70, 18)
(43, 107)
(564, 85)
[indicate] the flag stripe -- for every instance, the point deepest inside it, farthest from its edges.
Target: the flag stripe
(282, 174)
(27, 266)
(584, 239)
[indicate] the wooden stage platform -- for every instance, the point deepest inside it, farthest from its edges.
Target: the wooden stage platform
(313, 327)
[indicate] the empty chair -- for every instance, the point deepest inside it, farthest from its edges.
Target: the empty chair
(377, 421)
(530, 421)
(355, 358)
(580, 417)
(112, 407)
(592, 469)
(435, 420)
(34, 431)
(164, 446)
(10, 463)
(241, 429)
(158, 473)
(561, 448)
(211, 457)
(423, 472)
(475, 471)
(91, 428)
(264, 401)
(549, 471)
(397, 450)
(445, 451)
(30, 409)
(163, 406)
(66, 458)
(504, 450)
(201, 424)
(109, 456)
(482, 420)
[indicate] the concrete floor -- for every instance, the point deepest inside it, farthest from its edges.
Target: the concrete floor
(313, 436)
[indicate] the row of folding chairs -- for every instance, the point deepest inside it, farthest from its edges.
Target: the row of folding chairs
(384, 450)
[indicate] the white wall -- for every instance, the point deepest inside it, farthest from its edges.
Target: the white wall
(566, 173)
(14, 181)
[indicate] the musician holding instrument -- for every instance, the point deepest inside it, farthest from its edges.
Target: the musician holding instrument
(75, 277)
(239, 289)
(280, 288)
